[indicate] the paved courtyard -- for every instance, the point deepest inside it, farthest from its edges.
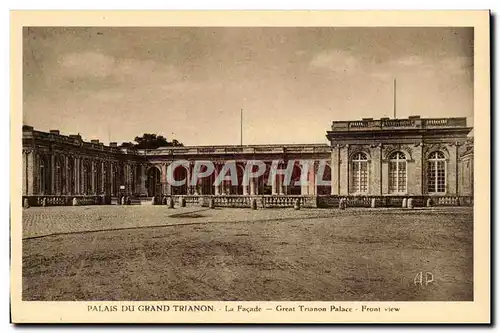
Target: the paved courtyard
(154, 253)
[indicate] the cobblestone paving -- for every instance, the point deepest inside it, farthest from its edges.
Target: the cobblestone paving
(42, 221)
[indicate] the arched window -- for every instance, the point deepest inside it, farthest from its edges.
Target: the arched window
(436, 173)
(359, 179)
(397, 173)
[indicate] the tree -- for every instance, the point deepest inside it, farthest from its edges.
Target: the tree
(153, 141)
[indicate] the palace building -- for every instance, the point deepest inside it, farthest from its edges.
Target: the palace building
(377, 158)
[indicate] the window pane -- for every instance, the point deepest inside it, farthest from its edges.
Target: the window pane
(402, 177)
(441, 176)
(392, 176)
(436, 173)
(431, 177)
(355, 176)
(359, 179)
(363, 177)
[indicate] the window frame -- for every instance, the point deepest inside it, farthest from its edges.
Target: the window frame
(435, 161)
(355, 159)
(391, 160)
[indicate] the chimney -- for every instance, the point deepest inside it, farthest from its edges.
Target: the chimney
(27, 128)
(113, 144)
(385, 118)
(414, 117)
(94, 141)
(56, 132)
(367, 119)
(75, 136)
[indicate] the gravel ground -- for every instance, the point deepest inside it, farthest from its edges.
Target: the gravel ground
(43, 221)
(239, 254)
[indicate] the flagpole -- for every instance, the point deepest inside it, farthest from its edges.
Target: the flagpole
(394, 102)
(241, 127)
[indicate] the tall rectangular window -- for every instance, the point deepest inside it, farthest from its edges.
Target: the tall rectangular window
(359, 179)
(397, 173)
(436, 173)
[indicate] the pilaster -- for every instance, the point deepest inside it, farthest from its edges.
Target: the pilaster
(344, 170)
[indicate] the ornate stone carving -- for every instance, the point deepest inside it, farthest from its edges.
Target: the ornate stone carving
(429, 148)
(391, 148)
(355, 149)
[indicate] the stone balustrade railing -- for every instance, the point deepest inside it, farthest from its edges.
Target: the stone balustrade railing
(287, 201)
(250, 149)
(65, 200)
(263, 201)
(394, 201)
(412, 122)
(240, 201)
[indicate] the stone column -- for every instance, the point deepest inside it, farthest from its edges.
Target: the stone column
(77, 176)
(451, 171)
(128, 178)
(217, 187)
(52, 174)
(415, 173)
(304, 188)
(274, 185)
(344, 170)
(164, 178)
(141, 185)
(188, 179)
(131, 178)
(279, 180)
(92, 177)
(25, 173)
(30, 170)
(65, 175)
(245, 189)
(385, 176)
(109, 182)
(375, 171)
(335, 168)
(311, 178)
(252, 186)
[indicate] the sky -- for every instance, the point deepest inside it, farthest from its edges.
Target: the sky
(189, 84)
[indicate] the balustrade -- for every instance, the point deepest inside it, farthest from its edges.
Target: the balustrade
(263, 201)
(64, 200)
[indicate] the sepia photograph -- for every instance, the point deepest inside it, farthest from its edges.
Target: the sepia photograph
(284, 164)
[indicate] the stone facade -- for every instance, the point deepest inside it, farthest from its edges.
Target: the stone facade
(386, 157)
(431, 157)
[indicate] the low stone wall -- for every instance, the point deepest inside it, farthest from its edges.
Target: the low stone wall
(394, 201)
(65, 200)
(239, 201)
(263, 201)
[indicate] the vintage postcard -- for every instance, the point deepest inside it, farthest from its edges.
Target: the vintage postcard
(250, 167)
